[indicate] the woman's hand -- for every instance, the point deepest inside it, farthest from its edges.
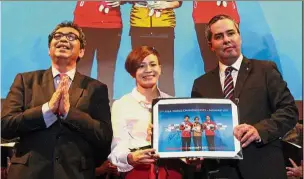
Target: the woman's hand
(149, 132)
(146, 156)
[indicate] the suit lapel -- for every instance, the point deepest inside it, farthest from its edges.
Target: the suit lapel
(215, 84)
(48, 87)
(76, 89)
(242, 76)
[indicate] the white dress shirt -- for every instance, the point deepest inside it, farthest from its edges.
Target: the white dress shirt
(236, 65)
(48, 116)
(130, 118)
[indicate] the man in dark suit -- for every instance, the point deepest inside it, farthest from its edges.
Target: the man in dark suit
(61, 116)
(267, 109)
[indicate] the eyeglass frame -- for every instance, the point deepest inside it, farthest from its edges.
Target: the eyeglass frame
(66, 35)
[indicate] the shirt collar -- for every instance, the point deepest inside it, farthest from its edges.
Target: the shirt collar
(141, 98)
(70, 73)
(236, 65)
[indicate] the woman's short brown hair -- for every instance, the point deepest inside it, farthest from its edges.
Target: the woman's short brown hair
(136, 56)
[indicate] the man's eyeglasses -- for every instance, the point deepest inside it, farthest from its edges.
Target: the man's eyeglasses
(70, 36)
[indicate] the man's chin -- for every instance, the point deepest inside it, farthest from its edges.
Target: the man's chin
(62, 57)
(231, 55)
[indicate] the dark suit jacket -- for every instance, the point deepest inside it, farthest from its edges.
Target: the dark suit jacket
(70, 148)
(265, 102)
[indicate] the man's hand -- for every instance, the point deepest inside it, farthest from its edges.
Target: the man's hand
(296, 171)
(64, 105)
(146, 156)
(106, 167)
(149, 132)
(246, 134)
(55, 100)
(299, 128)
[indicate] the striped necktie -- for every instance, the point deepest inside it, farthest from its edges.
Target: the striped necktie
(228, 83)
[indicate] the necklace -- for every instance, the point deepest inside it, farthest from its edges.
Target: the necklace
(146, 106)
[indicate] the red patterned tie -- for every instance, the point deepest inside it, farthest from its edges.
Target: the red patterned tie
(228, 83)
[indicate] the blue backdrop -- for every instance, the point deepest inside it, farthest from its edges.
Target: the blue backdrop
(270, 30)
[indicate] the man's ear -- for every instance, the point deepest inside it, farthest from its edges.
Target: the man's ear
(210, 46)
(81, 53)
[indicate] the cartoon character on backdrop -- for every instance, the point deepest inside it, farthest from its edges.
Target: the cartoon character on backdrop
(209, 128)
(197, 134)
(150, 5)
(153, 23)
(186, 127)
(103, 7)
(203, 11)
(102, 24)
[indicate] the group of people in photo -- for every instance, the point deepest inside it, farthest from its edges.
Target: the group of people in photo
(195, 131)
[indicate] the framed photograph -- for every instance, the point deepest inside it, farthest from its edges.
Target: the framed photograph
(195, 127)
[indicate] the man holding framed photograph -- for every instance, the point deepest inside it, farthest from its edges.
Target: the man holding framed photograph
(267, 110)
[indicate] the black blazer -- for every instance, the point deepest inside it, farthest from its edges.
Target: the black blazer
(69, 148)
(265, 102)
